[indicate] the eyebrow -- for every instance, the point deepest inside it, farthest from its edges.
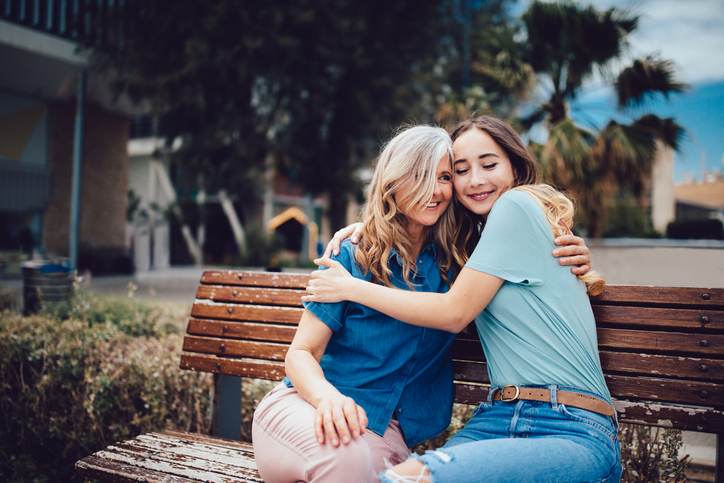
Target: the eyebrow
(482, 156)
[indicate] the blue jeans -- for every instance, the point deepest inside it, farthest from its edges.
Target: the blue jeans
(529, 441)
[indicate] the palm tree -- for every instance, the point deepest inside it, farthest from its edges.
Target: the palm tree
(567, 44)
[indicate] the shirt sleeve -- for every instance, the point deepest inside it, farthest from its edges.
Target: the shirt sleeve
(333, 314)
(514, 241)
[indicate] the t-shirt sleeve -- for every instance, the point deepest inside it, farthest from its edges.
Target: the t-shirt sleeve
(332, 314)
(514, 241)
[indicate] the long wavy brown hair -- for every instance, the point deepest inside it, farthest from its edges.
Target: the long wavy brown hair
(405, 177)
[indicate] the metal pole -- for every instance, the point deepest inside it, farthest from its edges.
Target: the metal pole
(77, 170)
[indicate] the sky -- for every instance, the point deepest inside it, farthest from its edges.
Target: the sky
(691, 34)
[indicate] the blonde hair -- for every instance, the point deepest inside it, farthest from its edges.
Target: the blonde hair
(404, 178)
(558, 210)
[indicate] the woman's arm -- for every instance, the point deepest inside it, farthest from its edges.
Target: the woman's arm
(452, 311)
(338, 416)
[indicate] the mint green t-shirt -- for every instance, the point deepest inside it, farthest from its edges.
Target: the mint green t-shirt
(539, 328)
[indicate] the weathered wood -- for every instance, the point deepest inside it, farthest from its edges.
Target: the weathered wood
(269, 370)
(253, 313)
(241, 330)
(251, 295)
(255, 279)
(662, 342)
(238, 348)
(98, 468)
(689, 418)
(670, 390)
(633, 363)
(701, 320)
(663, 296)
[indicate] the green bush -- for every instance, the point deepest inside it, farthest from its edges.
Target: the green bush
(88, 375)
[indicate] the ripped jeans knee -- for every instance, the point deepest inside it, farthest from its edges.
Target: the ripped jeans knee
(426, 473)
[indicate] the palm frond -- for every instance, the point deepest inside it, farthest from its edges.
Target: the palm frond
(665, 129)
(644, 78)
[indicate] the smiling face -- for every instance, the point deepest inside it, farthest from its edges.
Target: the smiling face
(482, 171)
(428, 214)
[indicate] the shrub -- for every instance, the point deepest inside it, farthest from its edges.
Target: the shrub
(92, 375)
(651, 454)
(696, 229)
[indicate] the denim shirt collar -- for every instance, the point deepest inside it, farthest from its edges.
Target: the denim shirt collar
(428, 247)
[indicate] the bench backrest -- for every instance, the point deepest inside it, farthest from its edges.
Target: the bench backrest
(662, 349)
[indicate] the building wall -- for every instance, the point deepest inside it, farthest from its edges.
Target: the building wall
(104, 184)
(662, 188)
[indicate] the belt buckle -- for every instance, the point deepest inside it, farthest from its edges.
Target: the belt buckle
(516, 396)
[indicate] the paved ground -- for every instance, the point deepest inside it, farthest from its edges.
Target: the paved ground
(638, 265)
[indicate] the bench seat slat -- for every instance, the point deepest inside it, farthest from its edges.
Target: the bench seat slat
(671, 390)
(668, 319)
(662, 342)
(255, 279)
(95, 467)
(690, 418)
(251, 295)
(270, 370)
(661, 296)
(238, 348)
(241, 330)
(255, 313)
(627, 363)
(628, 340)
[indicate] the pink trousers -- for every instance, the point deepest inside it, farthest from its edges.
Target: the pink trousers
(286, 448)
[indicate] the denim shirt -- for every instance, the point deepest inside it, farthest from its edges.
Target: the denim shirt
(390, 368)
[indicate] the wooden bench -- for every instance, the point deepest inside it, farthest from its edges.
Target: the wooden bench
(662, 351)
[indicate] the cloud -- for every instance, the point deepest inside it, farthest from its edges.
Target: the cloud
(688, 32)
(691, 33)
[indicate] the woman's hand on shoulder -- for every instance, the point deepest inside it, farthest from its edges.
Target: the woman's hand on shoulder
(339, 419)
(572, 251)
(331, 285)
(353, 232)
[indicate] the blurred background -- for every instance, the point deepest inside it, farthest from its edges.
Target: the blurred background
(144, 141)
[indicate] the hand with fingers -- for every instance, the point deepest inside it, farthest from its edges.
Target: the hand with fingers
(353, 232)
(339, 419)
(331, 285)
(572, 251)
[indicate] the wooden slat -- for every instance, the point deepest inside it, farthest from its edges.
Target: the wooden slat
(236, 348)
(678, 391)
(270, 370)
(663, 296)
(632, 364)
(241, 330)
(251, 295)
(255, 279)
(671, 319)
(253, 313)
(671, 416)
(98, 468)
(663, 366)
(662, 342)
(690, 418)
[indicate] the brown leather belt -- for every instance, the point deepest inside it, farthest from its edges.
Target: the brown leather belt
(569, 398)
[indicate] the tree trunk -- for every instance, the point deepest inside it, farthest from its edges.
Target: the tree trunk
(337, 209)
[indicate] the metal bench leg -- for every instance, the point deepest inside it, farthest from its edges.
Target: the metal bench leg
(227, 407)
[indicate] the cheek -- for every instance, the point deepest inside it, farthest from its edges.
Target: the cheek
(459, 186)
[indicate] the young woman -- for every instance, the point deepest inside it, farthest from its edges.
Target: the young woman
(549, 415)
(357, 392)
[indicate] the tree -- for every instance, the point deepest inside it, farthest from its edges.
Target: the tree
(567, 43)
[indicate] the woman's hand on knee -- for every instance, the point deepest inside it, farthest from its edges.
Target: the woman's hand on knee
(339, 418)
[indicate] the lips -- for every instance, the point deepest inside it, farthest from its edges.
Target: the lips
(482, 196)
(432, 206)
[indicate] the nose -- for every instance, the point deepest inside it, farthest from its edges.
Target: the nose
(477, 177)
(438, 191)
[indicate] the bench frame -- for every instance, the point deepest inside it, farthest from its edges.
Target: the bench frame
(662, 350)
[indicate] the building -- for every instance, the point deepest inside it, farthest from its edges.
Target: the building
(50, 105)
(701, 200)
